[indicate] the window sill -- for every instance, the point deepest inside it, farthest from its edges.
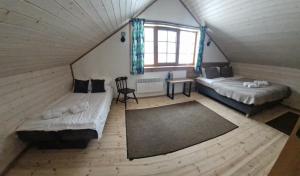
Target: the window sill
(168, 68)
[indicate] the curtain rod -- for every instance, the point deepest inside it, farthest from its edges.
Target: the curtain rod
(170, 23)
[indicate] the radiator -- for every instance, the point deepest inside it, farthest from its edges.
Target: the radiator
(149, 85)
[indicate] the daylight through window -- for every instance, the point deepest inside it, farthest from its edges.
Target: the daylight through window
(166, 46)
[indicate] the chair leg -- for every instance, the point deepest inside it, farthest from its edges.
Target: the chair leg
(135, 98)
(118, 98)
(125, 99)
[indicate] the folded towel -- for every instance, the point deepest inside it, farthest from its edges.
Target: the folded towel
(83, 106)
(54, 113)
(261, 83)
(253, 85)
(245, 84)
(250, 85)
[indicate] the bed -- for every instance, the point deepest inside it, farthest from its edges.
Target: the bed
(70, 130)
(231, 92)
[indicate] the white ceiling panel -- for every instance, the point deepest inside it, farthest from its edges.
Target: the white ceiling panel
(253, 31)
(38, 34)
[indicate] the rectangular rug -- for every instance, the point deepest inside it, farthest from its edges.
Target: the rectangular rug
(165, 129)
(284, 123)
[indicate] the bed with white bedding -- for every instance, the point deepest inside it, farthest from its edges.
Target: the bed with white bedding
(232, 92)
(70, 128)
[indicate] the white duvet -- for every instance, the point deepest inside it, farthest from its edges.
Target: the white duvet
(209, 82)
(93, 118)
(233, 88)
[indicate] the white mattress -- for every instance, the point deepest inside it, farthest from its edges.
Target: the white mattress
(94, 118)
(209, 82)
(233, 88)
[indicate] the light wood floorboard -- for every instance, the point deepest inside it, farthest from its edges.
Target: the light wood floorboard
(250, 149)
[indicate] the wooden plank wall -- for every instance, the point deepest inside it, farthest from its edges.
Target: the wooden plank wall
(253, 31)
(283, 75)
(39, 34)
(22, 96)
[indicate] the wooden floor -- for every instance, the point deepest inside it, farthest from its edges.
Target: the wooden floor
(250, 149)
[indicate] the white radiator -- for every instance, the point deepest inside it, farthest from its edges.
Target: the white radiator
(149, 85)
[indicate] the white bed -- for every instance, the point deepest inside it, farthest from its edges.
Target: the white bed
(94, 118)
(233, 88)
(209, 82)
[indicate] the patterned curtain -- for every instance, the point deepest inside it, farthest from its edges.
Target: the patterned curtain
(201, 49)
(137, 46)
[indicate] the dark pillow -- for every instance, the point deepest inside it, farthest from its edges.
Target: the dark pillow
(98, 85)
(212, 72)
(81, 86)
(226, 72)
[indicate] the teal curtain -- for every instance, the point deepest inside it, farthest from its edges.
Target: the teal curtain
(201, 49)
(137, 46)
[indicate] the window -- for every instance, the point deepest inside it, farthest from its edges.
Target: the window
(187, 47)
(166, 46)
(149, 46)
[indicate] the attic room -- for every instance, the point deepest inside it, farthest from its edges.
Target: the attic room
(149, 87)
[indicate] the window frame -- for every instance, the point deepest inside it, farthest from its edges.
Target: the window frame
(155, 44)
(156, 29)
(195, 47)
(153, 48)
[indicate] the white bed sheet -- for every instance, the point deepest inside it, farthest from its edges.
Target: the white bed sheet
(209, 82)
(94, 118)
(233, 88)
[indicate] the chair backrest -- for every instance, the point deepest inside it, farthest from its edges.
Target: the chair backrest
(121, 82)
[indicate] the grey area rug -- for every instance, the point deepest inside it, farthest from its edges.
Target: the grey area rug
(165, 129)
(284, 123)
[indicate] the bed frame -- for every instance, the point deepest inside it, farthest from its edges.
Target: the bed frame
(241, 107)
(58, 139)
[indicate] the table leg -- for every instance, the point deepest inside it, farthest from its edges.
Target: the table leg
(172, 91)
(190, 89)
(168, 90)
(168, 87)
(184, 89)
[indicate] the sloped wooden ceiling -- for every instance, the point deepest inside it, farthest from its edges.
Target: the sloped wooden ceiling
(253, 31)
(38, 34)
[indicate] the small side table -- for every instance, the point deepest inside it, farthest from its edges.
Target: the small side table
(176, 81)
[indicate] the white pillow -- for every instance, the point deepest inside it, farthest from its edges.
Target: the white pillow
(90, 86)
(203, 72)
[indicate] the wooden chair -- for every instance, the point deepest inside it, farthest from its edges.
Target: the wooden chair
(121, 83)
